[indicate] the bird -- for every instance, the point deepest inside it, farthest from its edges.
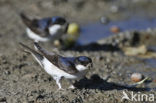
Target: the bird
(45, 29)
(70, 68)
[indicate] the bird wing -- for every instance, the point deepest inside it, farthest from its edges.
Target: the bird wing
(66, 65)
(36, 25)
(59, 61)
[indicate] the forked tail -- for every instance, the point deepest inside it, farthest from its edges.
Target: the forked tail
(37, 55)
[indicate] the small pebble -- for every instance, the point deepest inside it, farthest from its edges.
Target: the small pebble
(154, 81)
(136, 77)
(114, 9)
(7, 72)
(104, 20)
(57, 43)
(115, 29)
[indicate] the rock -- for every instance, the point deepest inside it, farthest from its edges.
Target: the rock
(134, 51)
(104, 20)
(7, 72)
(136, 77)
(154, 81)
(115, 29)
(57, 43)
(114, 9)
(110, 80)
(28, 76)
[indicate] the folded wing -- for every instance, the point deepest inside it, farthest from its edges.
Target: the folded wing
(36, 25)
(59, 61)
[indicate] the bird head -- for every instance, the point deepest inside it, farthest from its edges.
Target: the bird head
(83, 63)
(57, 25)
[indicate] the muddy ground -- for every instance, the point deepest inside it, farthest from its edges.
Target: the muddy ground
(23, 81)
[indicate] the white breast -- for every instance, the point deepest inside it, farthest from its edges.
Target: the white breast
(54, 29)
(35, 37)
(81, 67)
(55, 71)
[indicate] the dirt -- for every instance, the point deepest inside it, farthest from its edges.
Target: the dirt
(22, 80)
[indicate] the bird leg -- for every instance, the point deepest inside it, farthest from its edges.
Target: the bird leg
(71, 86)
(57, 79)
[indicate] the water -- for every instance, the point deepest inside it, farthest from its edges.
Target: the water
(147, 68)
(95, 31)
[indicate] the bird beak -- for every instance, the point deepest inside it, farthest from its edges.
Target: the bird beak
(73, 29)
(90, 65)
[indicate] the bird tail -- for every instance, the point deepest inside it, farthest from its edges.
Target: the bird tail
(27, 21)
(36, 55)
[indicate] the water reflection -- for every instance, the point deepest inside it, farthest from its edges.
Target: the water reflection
(95, 31)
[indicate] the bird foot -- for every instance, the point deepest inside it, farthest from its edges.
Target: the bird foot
(71, 87)
(60, 89)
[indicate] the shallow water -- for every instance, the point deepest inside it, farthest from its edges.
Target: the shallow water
(95, 31)
(147, 67)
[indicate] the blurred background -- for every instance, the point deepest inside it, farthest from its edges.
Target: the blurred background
(119, 36)
(95, 17)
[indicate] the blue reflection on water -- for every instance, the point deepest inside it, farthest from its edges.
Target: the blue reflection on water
(95, 31)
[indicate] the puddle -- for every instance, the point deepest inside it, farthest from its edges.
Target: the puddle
(150, 62)
(95, 31)
(153, 48)
(146, 67)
